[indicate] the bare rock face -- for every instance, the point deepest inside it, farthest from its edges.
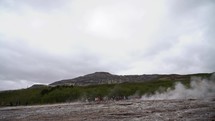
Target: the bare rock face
(107, 78)
(104, 78)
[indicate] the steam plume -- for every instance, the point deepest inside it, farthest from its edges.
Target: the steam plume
(199, 89)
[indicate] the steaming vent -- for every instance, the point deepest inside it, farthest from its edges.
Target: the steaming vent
(199, 89)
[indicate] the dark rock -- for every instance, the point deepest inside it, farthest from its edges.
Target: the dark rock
(107, 78)
(104, 78)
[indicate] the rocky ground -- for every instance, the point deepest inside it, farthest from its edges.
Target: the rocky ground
(126, 110)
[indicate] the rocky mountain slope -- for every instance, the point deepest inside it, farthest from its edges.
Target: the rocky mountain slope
(107, 78)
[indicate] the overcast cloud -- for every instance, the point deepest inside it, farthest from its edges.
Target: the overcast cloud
(45, 41)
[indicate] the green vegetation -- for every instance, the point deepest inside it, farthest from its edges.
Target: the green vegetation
(58, 94)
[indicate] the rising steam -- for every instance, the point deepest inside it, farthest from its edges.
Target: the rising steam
(199, 89)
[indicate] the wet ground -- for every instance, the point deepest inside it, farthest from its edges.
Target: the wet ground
(125, 110)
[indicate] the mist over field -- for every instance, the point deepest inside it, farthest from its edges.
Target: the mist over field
(199, 88)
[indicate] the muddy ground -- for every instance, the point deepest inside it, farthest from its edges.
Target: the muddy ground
(125, 110)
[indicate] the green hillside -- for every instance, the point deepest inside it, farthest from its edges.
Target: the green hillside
(59, 94)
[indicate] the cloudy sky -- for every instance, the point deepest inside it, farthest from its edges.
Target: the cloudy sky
(42, 41)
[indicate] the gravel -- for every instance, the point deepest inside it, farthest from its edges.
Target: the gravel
(124, 110)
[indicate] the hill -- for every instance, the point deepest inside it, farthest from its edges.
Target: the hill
(98, 78)
(91, 86)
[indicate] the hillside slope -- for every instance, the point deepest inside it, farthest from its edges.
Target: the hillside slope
(107, 78)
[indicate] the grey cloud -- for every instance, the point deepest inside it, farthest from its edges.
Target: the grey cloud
(185, 7)
(15, 84)
(182, 41)
(40, 5)
(196, 56)
(19, 62)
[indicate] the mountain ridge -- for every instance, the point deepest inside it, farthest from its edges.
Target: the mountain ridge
(97, 78)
